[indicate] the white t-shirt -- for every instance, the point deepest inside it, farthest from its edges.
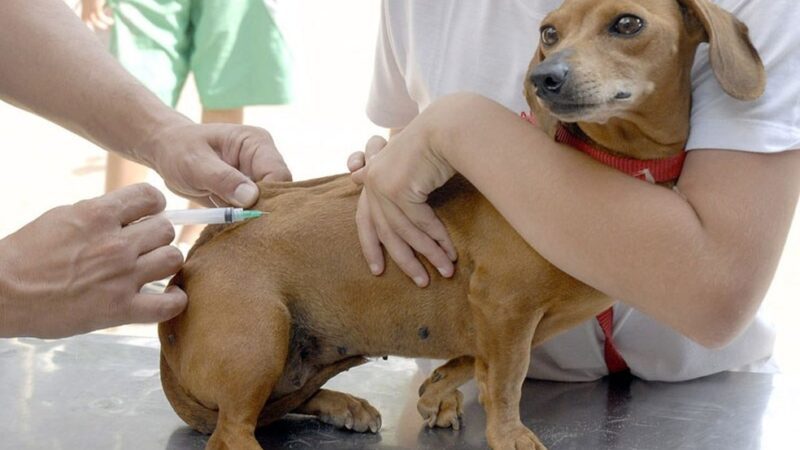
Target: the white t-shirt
(427, 49)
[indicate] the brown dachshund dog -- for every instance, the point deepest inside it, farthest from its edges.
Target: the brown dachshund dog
(280, 305)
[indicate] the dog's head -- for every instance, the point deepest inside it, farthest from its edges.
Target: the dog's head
(606, 59)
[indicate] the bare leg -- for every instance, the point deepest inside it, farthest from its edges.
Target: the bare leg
(190, 233)
(120, 172)
(223, 115)
(440, 401)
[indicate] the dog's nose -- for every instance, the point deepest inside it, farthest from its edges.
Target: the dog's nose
(550, 77)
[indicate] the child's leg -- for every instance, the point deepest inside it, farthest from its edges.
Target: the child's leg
(121, 172)
(149, 39)
(235, 115)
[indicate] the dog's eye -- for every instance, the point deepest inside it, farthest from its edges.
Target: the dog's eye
(627, 25)
(549, 35)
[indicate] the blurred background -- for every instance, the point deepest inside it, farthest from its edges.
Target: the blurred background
(332, 45)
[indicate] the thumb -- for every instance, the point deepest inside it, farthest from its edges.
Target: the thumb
(227, 183)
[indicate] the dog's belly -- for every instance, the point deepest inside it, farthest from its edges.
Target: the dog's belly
(315, 345)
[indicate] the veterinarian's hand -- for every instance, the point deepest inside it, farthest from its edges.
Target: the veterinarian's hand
(94, 15)
(215, 160)
(80, 268)
(393, 209)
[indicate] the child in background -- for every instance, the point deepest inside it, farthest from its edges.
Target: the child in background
(234, 49)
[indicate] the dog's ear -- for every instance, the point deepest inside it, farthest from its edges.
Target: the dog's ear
(735, 61)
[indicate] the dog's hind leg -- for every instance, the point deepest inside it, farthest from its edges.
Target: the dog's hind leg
(244, 380)
(504, 335)
(342, 410)
(440, 401)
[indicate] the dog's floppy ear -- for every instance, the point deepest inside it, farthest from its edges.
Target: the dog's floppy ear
(735, 61)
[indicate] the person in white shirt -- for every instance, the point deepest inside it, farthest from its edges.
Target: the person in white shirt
(690, 271)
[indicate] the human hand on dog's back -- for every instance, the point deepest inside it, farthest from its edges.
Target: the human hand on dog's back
(214, 160)
(79, 268)
(392, 209)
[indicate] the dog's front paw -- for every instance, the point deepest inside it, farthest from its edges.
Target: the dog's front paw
(519, 438)
(442, 411)
(352, 413)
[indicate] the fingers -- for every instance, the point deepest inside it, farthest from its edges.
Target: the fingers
(95, 16)
(100, 21)
(357, 161)
(216, 160)
(103, 17)
(278, 174)
(425, 220)
(259, 158)
(150, 234)
(158, 264)
(402, 237)
(239, 156)
(218, 178)
(368, 236)
(249, 149)
(150, 308)
(374, 145)
(401, 252)
(131, 203)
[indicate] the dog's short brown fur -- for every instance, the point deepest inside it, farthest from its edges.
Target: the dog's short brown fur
(280, 305)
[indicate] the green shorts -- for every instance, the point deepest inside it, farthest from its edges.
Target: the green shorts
(234, 49)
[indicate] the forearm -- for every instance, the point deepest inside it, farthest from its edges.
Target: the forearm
(674, 257)
(52, 66)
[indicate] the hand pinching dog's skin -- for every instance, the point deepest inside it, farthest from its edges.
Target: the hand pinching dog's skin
(278, 306)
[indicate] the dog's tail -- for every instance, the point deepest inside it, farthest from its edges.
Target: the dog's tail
(192, 412)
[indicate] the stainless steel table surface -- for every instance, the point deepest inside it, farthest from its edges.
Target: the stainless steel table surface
(103, 392)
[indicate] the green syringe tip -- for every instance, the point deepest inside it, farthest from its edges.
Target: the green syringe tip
(251, 214)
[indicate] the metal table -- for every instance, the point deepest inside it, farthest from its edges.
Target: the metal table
(103, 392)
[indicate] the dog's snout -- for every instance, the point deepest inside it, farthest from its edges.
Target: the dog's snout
(550, 77)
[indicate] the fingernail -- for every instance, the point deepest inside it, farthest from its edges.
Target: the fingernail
(420, 281)
(375, 269)
(444, 271)
(245, 194)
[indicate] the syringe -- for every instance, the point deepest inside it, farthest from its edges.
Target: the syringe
(210, 215)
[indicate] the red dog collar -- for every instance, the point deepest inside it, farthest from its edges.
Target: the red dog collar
(652, 170)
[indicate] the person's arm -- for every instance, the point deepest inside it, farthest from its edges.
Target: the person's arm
(699, 261)
(53, 66)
